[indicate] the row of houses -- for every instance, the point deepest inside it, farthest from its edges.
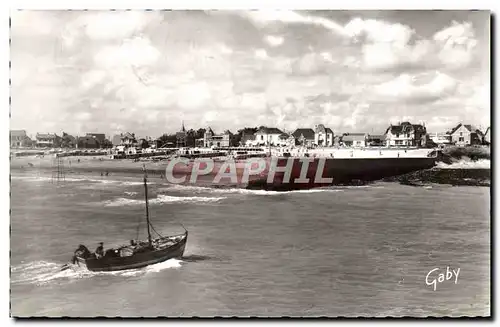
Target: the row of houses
(462, 135)
(402, 134)
(20, 139)
(320, 136)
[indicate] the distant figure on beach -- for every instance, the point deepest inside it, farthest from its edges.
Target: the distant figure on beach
(78, 160)
(107, 173)
(398, 154)
(101, 173)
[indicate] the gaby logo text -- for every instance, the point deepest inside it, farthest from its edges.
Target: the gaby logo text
(434, 276)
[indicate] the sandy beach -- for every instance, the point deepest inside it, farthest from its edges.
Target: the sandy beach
(86, 165)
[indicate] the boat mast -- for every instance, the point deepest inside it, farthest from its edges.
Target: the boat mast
(147, 208)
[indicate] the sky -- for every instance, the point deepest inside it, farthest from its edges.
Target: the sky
(148, 71)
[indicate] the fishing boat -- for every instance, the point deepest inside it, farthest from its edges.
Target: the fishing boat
(137, 254)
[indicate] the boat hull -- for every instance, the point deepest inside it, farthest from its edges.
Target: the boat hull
(138, 260)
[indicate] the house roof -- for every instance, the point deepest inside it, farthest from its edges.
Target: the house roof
(470, 128)
(307, 132)
(17, 133)
(405, 127)
(376, 136)
(69, 137)
(128, 135)
(321, 128)
(269, 130)
(487, 131)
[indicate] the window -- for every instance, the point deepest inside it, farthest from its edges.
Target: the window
(460, 133)
(460, 139)
(262, 137)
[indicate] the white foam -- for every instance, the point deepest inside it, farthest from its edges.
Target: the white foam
(83, 179)
(162, 199)
(202, 189)
(43, 272)
(466, 163)
(172, 263)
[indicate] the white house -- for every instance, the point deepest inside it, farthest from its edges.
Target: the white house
(465, 135)
(405, 134)
(210, 139)
(46, 140)
(267, 136)
(19, 138)
(323, 136)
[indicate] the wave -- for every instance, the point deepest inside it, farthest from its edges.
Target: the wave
(466, 163)
(162, 199)
(83, 179)
(43, 272)
(204, 189)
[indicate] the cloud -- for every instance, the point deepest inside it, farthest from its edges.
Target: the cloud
(151, 70)
(457, 43)
(375, 31)
(274, 41)
(132, 52)
(397, 47)
(261, 54)
(115, 24)
(263, 17)
(405, 88)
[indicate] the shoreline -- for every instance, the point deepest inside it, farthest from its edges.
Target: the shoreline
(98, 167)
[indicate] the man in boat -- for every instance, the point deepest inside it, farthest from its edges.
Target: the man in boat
(99, 252)
(81, 252)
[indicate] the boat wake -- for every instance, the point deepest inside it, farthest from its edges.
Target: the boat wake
(42, 272)
(162, 199)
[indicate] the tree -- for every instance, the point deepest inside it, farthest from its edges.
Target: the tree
(167, 140)
(67, 141)
(190, 138)
(200, 133)
(106, 144)
(237, 138)
(144, 144)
